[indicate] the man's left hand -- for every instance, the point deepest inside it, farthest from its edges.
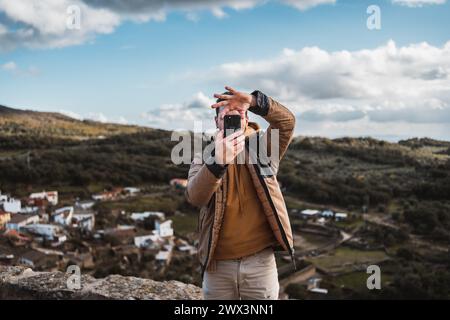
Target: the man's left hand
(239, 101)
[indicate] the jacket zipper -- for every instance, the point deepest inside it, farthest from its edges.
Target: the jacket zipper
(280, 226)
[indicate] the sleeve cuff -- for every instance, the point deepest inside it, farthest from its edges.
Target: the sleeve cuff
(216, 169)
(262, 103)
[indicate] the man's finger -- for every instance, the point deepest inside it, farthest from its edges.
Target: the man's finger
(234, 135)
(219, 104)
(219, 135)
(239, 139)
(239, 147)
(230, 89)
(223, 96)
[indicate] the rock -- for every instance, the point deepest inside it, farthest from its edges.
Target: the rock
(24, 283)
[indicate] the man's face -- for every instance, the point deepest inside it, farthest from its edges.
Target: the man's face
(221, 116)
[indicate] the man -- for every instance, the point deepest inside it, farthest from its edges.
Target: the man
(243, 217)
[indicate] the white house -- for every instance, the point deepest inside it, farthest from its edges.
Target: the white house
(163, 256)
(63, 215)
(98, 197)
(140, 216)
(313, 286)
(188, 249)
(310, 213)
(327, 214)
(340, 216)
(10, 204)
(84, 221)
(151, 240)
(47, 231)
(85, 205)
(132, 191)
(18, 221)
(29, 210)
(164, 229)
(51, 196)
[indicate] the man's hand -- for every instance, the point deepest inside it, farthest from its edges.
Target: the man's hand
(227, 148)
(239, 101)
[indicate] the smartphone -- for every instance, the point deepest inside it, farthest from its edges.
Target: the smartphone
(231, 124)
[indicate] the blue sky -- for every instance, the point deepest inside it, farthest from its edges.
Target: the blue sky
(138, 70)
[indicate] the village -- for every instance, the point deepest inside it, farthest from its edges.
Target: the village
(40, 233)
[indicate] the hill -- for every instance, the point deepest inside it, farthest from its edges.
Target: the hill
(15, 122)
(397, 193)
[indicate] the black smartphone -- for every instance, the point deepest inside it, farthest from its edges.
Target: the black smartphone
(231, 124)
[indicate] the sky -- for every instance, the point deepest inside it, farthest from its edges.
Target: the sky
(158, 63)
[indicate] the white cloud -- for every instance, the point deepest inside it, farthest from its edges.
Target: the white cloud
(97, 116)
(418, 3)
(43, 23)
(14, 69)
(9, 66)
(182, 115)
(384, 86)
(71, 114)
(306, 4)
(94, 116)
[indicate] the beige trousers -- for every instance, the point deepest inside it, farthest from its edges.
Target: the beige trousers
(250, 277)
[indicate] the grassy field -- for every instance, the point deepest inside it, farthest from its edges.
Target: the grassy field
(357, 280)
(165, 202)
(344, 259)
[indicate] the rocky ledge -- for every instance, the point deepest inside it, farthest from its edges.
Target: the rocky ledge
(24, 283)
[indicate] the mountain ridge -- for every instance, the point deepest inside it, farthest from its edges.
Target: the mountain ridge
(18, 122)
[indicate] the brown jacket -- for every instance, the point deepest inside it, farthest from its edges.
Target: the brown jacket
(207, 183)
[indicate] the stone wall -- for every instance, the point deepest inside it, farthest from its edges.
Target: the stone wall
(24, 283)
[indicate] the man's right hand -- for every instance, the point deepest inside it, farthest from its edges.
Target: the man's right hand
(227, 148)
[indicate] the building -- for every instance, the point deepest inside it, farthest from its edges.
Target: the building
(188, 249)
(46, 231)
(313, 286)
(9, 204)
(84, 205)
(148, 241)
(141, 216)
(29, 210)
(308, 213)
(340, 216)
(16, 238)
(84, 221)
(63, 216)
(132, 191)
(108, 195)
(163, 257)
(164, 229)
(5, 217)
(18, 221)
(51, 197)
(327, 214)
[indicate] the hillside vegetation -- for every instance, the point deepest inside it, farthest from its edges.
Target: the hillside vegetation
(14, 122)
